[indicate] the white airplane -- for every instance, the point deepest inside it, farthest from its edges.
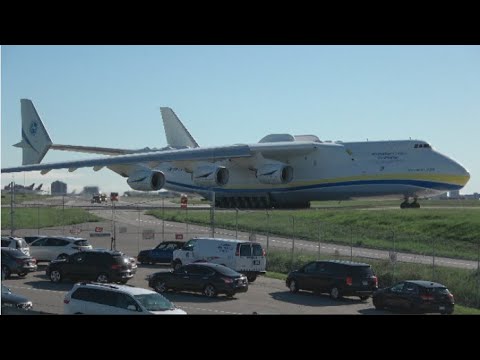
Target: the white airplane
(280, 171)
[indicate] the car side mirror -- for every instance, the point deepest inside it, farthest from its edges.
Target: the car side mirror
(132, 307)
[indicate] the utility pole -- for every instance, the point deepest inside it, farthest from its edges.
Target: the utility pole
(319, 238)
(268, 230)
(114, 228)
(236, 223)
(63, 214)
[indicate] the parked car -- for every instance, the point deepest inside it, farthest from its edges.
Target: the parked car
(338, 278)
(246, 257)
(415, 296)
(16, 262)
(14, 300)
(162, 253)
(98, 265)
(16, 243)
(57, 247)
(109, 299)
(210, 279)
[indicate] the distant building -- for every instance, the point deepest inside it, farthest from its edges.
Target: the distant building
(58, 188)
(91, 190)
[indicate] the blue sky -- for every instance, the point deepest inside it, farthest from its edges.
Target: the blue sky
(110, 96)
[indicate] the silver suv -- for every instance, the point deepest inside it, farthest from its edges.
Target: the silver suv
(57, 247)
(113, 299)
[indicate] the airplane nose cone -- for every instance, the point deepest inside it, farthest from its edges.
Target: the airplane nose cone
(462, 173)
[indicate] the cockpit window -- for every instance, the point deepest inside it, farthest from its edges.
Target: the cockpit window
(422, 146)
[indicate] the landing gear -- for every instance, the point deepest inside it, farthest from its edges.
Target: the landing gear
(413, 205)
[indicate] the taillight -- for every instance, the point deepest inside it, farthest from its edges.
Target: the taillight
(237, 253)
(450, 296)
(349, 280)
(227, 280)
(375, 281)
(264, 252)
(426, 297)
(116, 266)
(66, 301)
(33, 260)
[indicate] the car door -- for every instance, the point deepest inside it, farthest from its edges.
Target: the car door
(407, 296)
(306, 275)
(77, 266)
(178, 278)
(38, 249)
(393, 295)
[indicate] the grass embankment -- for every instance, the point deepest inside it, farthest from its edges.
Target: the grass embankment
(33, 218)
(464, 284)
(447, 232)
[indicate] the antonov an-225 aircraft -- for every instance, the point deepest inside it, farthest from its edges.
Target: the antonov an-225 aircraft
(280, 171)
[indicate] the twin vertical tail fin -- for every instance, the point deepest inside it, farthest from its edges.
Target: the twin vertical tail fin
(35, 139)
(176, 133)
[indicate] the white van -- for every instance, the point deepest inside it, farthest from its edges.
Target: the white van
(246, 257)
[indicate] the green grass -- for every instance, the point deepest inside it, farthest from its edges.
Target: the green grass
(464, 284)
(393, 203)
(463, 310)
(448, 232)
(20, 198)
(33, 218)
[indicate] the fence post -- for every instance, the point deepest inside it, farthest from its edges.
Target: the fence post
(319, 238)
(268, 229)
(138, 224)
(38, 219)
(12, 211)
(236, 223)
(212, 214)
(63, 214)
(163, 218)
(433, 260)
(394, 260)
(186, 221)
(478, 275)
(351, 243)
(293, 241)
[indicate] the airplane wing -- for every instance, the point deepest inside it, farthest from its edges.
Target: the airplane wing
(279, 151)
(197, 154)
(91, 149)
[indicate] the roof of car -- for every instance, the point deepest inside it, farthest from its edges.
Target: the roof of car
(132, 290)
(424, 283)
(226, 240)
(345, 262)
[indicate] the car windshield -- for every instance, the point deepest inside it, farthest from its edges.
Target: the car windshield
(154, 302)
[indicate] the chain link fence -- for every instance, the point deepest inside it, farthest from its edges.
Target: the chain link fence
(289, 240)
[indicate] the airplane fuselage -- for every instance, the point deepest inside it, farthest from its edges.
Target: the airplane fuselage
(337, 171)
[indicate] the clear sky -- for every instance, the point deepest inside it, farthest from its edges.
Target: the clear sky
(110, 96)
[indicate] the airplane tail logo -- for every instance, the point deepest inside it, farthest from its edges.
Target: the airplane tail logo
(176, 133)
(35, 139)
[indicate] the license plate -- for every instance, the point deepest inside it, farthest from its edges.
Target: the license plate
(364, 282)
(441, 308)
(256, 262)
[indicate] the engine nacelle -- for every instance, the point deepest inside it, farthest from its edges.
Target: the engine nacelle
(146, 180)
(275, 174)
(211, 175)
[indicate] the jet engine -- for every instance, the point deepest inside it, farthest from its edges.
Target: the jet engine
(210, 175)
(146, 180)
(275, 174)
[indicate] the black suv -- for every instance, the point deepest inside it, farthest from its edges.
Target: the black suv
(338, 278)
(416, 296)
(98, 265)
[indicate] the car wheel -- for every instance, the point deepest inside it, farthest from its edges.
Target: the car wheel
(177, 265)
(6, 272)
(363, 298)
(56, 276)
(230, 295)
(210, 291)
(22, 274)
(102, 278)
(335, 293)
(62, 256)
(251, 278)
(123, 281)
(293, 286)
(160, 286)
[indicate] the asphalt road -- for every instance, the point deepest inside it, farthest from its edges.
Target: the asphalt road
(264, 296)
